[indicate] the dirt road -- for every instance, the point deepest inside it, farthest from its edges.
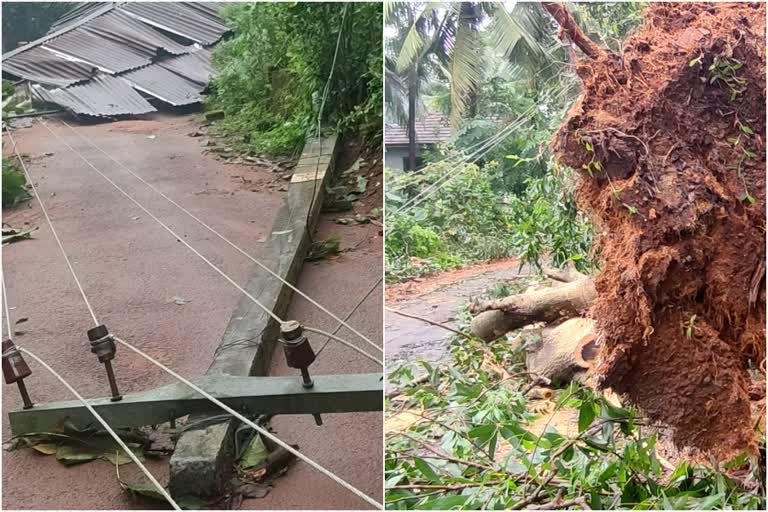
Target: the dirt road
(142, 283)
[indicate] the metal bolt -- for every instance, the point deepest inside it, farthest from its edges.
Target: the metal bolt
(103, 345)
(298, 354)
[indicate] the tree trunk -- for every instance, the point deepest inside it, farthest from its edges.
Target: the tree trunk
(413, 92)
(555, 355)
(495, 318)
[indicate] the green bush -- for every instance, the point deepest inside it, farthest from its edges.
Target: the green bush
(470, 219)
(14, 185)
(470, 414)
(271, 74)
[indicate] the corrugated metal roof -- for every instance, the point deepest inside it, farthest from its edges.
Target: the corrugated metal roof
(432, 128)
(128, 40)
(40, 65)
(178, 18)
(194, 66)
(102, 96)
(110, 56)
(72, 17)
(165, 85)
(125, 29)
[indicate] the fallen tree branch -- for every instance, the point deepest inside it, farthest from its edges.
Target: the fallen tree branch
(427, 320)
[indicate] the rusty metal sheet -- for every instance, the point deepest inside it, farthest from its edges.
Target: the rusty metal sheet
(102, 96)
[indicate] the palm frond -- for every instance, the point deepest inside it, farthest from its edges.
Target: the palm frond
(465, 68)
(508, 30)
(412, 46)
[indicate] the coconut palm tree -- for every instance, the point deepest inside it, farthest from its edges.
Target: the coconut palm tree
(457, 37)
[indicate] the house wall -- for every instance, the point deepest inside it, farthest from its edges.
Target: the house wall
(393, 157)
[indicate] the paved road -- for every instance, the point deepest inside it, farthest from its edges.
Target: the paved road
(436, 298)
(132, 269)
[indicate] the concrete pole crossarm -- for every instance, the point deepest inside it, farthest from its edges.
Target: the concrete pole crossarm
(268, 395)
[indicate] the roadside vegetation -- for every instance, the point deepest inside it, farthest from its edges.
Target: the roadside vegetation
(482, 433)
(271, 74)
(14, 183)
(494, 191)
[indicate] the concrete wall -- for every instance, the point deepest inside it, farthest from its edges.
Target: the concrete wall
(394, 155)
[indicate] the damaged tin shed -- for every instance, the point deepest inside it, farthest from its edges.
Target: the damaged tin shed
(118, 58)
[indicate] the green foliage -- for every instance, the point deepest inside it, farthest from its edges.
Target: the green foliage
(463, 221)
(471, 219)
(27, 21)
(14, 185)
(472, 446)
(545, 220)
(271, 74)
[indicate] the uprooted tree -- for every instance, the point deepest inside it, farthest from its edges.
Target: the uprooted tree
(669, 139)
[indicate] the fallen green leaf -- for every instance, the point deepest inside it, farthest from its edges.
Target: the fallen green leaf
(71, 455)
(255, 454)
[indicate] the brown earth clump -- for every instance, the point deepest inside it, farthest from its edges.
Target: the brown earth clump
(670, 138)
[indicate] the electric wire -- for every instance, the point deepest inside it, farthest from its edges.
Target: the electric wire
(349, 315)
(223, 238)
(201, 256)
(5, 304)
(202, 392)
(326, 90)
(253, 425)
(31, 183)
(220, 236)
(486, 144)
(88, 406)
(106, 426)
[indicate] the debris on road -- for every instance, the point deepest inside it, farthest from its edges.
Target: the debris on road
(11, 235)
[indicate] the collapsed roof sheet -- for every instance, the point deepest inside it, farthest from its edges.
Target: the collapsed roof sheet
(137, 42)
(165, 85)
(180, 19)
(102, 96)
(194, 66)
(109, 56)
(125, 29)
(42, 66)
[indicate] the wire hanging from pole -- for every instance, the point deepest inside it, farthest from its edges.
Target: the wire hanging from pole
(50, 225)
(223, 238)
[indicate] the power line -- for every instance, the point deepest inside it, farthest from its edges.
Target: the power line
(202, 392)
(352, 312)
(106, 426)
(492, 142)
(82, 400)
(197, 253)
(222, 237)
(53, 230)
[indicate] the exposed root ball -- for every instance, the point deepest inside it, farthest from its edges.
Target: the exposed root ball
(670, 137)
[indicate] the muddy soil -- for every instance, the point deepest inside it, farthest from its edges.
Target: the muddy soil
(670, 138)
